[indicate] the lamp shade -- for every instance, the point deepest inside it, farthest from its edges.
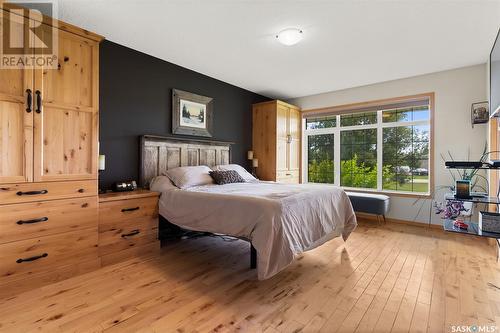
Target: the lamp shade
(255, 163)
(250, 155)
(102, 162)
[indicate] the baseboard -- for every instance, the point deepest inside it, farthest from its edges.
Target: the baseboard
(373, 218)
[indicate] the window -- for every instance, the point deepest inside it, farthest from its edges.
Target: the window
(384, 148)
(320, 158)
(325, 122)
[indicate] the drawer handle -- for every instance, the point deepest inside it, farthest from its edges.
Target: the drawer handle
(288, 174)
(42, 219)
(130, 209)
(32, 192)
(81, 190)
(31, 258)
(132, 233)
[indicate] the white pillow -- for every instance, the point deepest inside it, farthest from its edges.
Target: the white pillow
(161, 184)
(238, 168)
(185, 177)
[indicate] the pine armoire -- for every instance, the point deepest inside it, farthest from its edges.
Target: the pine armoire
(276, 141)
(48, 158)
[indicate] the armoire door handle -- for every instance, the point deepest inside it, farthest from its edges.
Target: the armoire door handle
(38, 101)
(29, 100)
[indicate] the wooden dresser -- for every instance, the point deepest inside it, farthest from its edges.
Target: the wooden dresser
(48, 163)
(128, 225)
(277, 141)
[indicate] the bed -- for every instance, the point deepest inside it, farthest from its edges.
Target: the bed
(280, 220)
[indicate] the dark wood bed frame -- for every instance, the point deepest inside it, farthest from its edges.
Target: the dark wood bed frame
(160, 153)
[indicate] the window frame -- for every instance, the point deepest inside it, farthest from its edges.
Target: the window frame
(371, 106)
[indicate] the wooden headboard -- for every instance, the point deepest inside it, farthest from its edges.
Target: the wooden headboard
(160, 153)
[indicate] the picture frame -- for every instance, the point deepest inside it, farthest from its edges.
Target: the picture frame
(191, 114)
(480, 113)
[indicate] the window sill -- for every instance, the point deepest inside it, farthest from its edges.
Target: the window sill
(390, 193)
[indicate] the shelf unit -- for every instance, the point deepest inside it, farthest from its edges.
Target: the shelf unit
(473, 228)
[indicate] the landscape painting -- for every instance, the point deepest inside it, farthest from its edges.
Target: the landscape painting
(191, 114)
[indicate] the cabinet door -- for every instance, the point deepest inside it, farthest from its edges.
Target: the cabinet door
(16, 119)
(282, 138)
(66, 128)
(294, 141)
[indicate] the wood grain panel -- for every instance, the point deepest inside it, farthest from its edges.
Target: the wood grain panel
(295, 125)
(54, 190)
(113, 237)
(224, 157)
(150, 162)
(139, 250)
(65, 140)
(66, 129)
(70, 85)
(18, 222)
(16, 123)
(388, 278)
(12, 288)
(193, 156)
(208, 157)
(16, 142)
(276, 139)
(159, 154)
(264, 139)
(61, 249)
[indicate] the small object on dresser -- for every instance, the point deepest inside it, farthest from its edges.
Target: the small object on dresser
(459, 223)
(125, 186)
(489, 222)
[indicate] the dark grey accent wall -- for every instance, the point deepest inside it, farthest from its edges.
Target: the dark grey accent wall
(135, 99)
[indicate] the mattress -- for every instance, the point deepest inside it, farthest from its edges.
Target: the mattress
(281, 220)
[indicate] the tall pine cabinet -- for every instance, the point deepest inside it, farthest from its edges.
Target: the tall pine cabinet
(48, 159)
(277, 141)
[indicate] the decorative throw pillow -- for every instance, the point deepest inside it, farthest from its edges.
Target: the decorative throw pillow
(238, 168)
(226, 177)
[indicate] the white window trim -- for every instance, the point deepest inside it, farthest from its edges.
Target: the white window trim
(380, 125)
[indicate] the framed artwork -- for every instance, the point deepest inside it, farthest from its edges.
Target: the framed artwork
(191, 114)
(480, 113)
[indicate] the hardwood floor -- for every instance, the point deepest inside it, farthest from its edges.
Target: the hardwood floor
(384, 278)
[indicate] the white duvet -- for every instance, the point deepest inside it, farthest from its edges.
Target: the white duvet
(281, 220)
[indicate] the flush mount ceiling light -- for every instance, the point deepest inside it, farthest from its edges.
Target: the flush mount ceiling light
(290, 36)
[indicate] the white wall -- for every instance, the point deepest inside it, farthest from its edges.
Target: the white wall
(455, 91)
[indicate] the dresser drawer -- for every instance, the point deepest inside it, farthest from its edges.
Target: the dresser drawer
(116, 211)
(38, 219)
(288, 176)
(30, 192)
(128, 232)
(18, 259)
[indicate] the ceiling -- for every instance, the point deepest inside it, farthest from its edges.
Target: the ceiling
(346, 43)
